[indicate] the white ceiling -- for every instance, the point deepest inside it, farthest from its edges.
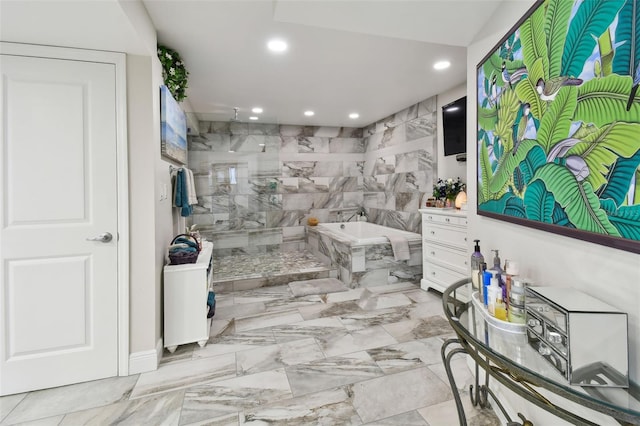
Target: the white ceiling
(373, 57)
(370, 57)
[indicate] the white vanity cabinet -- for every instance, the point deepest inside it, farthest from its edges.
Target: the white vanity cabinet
(186, 288)
(445, 259)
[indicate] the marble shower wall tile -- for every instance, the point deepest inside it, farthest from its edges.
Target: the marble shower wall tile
(401, 147)
(346, 145)
(394, 156)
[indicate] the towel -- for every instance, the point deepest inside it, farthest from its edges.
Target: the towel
(181, 195)
(400, 246)
(191, 188)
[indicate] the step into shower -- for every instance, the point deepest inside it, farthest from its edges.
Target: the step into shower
(248, 271)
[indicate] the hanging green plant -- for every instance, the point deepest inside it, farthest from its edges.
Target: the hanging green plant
(174, 73)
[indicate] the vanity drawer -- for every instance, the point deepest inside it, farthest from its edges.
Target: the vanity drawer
(444, 220)
(442, 275)
(446, 235)
(452, 258)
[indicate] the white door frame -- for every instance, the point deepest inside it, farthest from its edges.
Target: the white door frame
(119, 60)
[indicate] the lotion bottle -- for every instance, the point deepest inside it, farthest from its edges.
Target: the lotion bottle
(476, 260)
(493, 292)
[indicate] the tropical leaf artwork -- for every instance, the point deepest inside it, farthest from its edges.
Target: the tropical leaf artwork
(559, 122)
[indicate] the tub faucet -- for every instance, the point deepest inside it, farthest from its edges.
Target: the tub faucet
(358, 213)
(339, 216)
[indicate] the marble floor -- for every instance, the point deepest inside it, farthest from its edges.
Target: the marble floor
(364, 356)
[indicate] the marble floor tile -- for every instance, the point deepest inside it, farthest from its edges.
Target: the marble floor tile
(416, 329)
(382, 301)
(445, 413)
(411, 418)
(235, 342)
(421, 296)
(250, 338)
(393, 288)
(49, 421)
(221, 326)
(161, 410)
(231, 312)
(181, 375)
(268, 319)
(358, 320)
(352, 341)
(405, 356)
(305, 329)
(293, 303)
(182, 352)
(263, 294)
(329, 407)
(367, 355)
(352, 294)
(232, 419)
(331, 372)
(234, 395)
(426, 309)
(224, 299)
(461, 373)
(329, 310)
(277, 356)
(8, 403)
(394, 394)
(52, 402)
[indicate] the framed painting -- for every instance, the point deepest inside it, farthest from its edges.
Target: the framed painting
(173, 128)
(558, 122)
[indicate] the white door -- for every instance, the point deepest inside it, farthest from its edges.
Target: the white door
(59, 294)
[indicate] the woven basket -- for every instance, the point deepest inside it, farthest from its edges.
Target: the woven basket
(181, 257)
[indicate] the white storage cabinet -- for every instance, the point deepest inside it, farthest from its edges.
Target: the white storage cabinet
(445, 259)
(186, 288)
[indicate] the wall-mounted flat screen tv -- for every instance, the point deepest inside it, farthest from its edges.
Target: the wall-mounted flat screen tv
(454, 127)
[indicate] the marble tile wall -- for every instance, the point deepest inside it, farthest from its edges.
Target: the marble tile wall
(400, 165)
(258, 197)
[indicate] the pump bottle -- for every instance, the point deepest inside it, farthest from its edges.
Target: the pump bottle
(476, 260)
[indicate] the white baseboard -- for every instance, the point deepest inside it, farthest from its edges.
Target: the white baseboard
(141, 362)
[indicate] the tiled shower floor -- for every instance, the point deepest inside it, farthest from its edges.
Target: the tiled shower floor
(272, 268)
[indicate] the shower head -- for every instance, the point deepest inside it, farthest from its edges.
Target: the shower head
(235, 117)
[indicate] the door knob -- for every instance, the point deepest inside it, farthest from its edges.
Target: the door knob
(103, 238)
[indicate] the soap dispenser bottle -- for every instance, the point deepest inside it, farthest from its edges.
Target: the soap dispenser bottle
(497, 267)
(476, 260)
(496, 262)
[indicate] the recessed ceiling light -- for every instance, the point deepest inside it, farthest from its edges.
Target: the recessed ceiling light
(253, 117)
(309, 113)
(354, 115)
(442, 65)
(277, 45)
(257, 110)
(231, 151)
